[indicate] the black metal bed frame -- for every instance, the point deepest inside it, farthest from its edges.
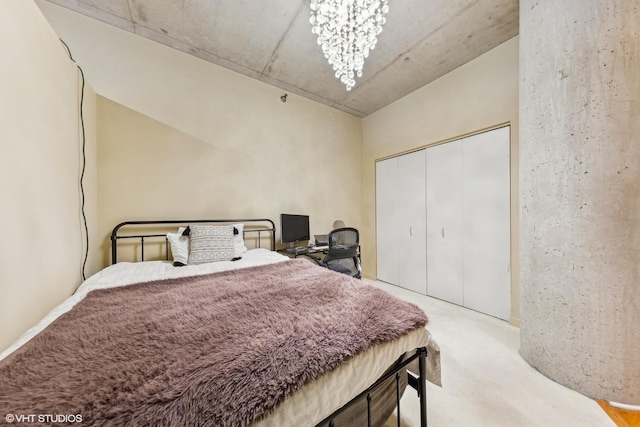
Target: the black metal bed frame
(419, 383)
(115, 237)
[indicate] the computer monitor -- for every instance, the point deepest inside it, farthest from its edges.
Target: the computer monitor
(294, 228)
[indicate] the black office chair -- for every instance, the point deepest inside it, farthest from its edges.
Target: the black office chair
(343, 255)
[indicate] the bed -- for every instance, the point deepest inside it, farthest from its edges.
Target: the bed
(260, 340)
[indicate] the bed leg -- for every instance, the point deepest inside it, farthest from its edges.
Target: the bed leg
(398, 399)
(422, 386)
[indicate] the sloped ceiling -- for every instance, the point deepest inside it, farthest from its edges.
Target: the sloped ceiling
(271, 41)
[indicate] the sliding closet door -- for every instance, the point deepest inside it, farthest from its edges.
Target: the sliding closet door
(400, 221)
(444, 222)
(412, 248)
(387, 220)
(486, 222)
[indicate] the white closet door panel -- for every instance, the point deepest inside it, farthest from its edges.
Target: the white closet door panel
(412, 249)
(444, 223)
(486, 222)
(387, 219)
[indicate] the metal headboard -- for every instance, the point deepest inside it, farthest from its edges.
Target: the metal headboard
(262, 225)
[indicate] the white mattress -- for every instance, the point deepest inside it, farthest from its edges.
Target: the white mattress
(311, 403)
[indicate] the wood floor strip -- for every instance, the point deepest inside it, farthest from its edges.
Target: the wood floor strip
(621, 417)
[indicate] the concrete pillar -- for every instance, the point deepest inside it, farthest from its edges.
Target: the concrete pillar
(580, 194)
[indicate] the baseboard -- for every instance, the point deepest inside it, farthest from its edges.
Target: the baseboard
(635, 408)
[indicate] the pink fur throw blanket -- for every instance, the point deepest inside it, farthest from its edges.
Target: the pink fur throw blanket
(219, 349)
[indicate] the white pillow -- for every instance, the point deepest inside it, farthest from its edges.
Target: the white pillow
(210, 243)
(239, 247)
(179, 247)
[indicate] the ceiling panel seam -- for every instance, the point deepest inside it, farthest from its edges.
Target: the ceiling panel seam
(195, 49)
(130, 14)
(284, 35)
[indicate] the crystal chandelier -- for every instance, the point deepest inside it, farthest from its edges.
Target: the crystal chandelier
(347, 30)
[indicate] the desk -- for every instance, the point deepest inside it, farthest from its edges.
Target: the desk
(312, 252)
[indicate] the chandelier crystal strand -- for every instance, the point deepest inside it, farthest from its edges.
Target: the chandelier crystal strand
(347, 31)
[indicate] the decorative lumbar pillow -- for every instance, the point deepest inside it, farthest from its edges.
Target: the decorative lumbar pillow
(179, 247)
(209, 243)
(239, 247)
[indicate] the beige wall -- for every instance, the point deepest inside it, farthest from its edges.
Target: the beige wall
(180, 137)
(40, 139)
(269, 164)
(482, 93)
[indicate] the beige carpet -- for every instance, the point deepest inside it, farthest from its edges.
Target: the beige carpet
(485, 381)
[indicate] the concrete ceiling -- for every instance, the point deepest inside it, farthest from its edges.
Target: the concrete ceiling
(272, 41)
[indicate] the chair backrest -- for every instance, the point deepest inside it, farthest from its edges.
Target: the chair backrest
(343, 255)
(343, 242)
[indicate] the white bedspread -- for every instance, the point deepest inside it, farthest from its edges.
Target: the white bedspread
(314, 401)
(127, 273)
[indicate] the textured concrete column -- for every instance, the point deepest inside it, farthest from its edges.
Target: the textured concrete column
(580, 194)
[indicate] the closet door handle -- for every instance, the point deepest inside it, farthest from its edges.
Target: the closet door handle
(443, 233)
(411, 231)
